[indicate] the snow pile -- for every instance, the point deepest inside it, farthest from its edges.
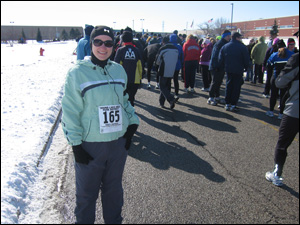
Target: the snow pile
(31, 92)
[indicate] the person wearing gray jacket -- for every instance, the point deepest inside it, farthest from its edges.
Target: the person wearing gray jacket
(289, 126)
(166, 59)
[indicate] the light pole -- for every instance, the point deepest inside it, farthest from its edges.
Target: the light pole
(142, 26)
(114, 25)
(231, 16)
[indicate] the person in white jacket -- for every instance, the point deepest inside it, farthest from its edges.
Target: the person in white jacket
(99, 123)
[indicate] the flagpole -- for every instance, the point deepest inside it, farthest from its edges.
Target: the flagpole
(231, 16)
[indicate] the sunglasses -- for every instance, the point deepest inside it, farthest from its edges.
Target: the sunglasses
(98, 43)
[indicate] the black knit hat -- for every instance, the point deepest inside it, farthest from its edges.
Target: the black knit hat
(127, 36)
(236, 35)
(281, 44)
(101, 30)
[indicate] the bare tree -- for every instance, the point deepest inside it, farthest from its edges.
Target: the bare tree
(206, 27)
(213, 29)
(218, 25)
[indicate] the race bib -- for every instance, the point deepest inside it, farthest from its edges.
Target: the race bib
(110, 117)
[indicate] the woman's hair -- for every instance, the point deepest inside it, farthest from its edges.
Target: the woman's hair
(190, 37)
(282, 53)
(212, 40)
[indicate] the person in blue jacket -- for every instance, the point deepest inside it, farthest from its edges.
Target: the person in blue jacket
(99, 122)
(217, 73)
(277, 61)
(234, 57)
(83, 47)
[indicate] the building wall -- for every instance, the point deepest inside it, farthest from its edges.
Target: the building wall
(47, 32)
(287, 26)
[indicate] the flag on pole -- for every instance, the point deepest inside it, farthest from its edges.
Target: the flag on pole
(210, 20)
(192, 23)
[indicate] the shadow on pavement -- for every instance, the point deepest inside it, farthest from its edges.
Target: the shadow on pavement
(165, 155)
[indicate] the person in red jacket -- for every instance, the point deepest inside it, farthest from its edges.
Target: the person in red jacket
(191, 52)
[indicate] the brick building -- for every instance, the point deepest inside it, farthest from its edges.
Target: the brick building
(48, 32)
(287, 26)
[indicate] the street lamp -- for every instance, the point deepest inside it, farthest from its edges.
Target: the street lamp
(142, 26)
(231, 16)
(114, 25)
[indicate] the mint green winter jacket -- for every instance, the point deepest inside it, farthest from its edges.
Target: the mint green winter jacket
(95, 107)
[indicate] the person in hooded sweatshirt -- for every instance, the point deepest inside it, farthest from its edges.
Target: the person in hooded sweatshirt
(258, 54)
(174, 41)
(83, 47)
(98, 122)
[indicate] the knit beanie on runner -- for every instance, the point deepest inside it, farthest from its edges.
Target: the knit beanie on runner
(101, 30)
(290, 41)
(275, 41)
(127, 36)
(281, 44)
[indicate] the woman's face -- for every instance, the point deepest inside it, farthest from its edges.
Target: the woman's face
(291, 46)
(102, 52)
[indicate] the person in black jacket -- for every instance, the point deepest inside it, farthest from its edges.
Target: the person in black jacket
(289, 126)
(149, 55)
(129, 57)
(269, 69)
(249, 74)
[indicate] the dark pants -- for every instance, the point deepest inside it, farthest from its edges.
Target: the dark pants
(165, 90)
(289, 127)
(233, 88)
(104, 172)
(190, 68)
(176, 84)
(206, 77)
(268, 81)
(258, 74)
(149, 68)
(275, 92)
(217, 78)
(132, 90)
(249, 75)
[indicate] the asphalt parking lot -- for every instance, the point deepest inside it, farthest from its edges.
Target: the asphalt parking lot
(201, 164)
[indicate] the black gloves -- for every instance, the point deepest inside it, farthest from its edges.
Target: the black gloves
(81, 156)
(131, 129)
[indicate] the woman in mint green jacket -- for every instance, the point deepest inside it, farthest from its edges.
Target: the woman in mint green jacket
(99, 123)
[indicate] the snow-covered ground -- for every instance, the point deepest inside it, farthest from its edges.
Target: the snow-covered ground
(31, 92)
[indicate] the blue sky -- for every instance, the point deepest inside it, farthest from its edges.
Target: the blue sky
(158, 15)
